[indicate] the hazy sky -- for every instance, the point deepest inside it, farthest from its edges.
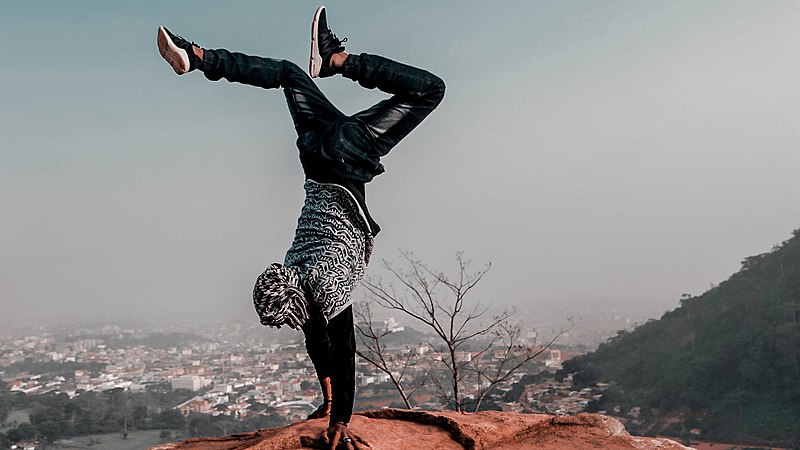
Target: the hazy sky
(614, 152)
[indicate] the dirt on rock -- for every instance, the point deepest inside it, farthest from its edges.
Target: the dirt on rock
(396, 429)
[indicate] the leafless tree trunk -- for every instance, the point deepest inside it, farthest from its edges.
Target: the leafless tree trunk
(439, 301)
(375, 352)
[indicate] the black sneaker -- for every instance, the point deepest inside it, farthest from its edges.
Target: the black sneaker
(323, 45)
(178, 52)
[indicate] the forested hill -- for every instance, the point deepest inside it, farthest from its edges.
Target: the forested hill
(726, 362)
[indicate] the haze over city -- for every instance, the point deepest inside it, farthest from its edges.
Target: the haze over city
(607, 154)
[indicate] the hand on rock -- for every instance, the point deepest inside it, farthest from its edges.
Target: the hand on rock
(338, 436)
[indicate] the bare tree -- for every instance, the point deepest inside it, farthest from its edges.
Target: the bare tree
(511, 354)
(439, 301)
(375, 352)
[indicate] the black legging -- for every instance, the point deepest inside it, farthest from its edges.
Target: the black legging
(326, 136)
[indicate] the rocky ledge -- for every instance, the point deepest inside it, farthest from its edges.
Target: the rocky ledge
(391, 429)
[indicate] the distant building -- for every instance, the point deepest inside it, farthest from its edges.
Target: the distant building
(138, 387)
(391, 325)
(195, 405)
(423, 349)
(554, 361)
(463, 356)
(222, 389)
(190, 382)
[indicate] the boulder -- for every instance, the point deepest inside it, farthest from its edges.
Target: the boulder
(391, 429)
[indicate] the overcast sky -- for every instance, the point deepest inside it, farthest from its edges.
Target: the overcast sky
(606, 153)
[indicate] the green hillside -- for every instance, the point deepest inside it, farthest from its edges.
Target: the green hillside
(726, 362)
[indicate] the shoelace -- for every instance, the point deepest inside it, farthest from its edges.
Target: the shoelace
(336, 39)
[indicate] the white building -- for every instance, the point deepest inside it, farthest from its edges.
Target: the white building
(191, 382)
(391, 325)
(554, 361)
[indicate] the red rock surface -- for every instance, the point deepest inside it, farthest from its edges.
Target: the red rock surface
(391, 429)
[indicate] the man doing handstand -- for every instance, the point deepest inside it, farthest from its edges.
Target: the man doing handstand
(339, 154)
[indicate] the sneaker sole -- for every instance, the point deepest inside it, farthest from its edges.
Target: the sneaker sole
(174, 55)
(316, 60)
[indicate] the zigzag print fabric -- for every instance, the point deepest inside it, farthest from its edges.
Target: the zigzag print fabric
(279, 298)
(331, 247)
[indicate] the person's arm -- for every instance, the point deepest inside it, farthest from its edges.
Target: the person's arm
(343, 368)
(319, 350)
(343, 380)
